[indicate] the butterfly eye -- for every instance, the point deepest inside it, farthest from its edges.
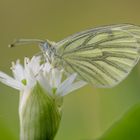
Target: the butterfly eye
(46, 46)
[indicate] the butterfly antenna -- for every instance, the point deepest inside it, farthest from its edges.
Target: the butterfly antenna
(18, 42)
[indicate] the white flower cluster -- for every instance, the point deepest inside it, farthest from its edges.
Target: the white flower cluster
(25, 77)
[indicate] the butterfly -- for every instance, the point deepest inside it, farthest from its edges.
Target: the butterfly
(101, 56)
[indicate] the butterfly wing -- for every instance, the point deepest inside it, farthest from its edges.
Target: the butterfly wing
(102, 56)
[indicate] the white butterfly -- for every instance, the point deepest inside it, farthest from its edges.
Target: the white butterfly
(101, 56)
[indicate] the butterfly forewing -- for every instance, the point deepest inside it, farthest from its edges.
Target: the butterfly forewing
(102, 56)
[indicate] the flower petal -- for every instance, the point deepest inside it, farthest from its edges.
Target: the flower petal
(46, 67)
(55, 79)
(18, 71)
(34, 64)
(4, 78)
(43, 81)
(65, 84)
(30, 77)
(73, 87)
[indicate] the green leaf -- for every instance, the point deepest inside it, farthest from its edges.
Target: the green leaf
(127, 128)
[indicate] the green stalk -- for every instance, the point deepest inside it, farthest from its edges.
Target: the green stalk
(40, 115)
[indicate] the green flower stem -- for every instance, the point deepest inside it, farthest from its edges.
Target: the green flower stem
(40, 115)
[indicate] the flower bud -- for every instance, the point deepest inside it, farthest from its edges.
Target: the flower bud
(40, 115)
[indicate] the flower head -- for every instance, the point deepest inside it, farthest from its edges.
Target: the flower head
(25, 78)
(42, 88)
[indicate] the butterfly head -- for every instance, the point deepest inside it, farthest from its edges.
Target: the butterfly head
(47, 47)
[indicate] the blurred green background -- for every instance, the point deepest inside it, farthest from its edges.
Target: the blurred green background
(88, 112)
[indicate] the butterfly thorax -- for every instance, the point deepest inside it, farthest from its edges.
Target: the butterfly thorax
(49, 52)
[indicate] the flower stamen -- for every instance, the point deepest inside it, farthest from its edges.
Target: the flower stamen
(24, 82)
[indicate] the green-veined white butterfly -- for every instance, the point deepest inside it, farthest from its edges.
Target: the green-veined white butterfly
(101, 56)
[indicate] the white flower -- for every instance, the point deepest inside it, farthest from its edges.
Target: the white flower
(42, 88)
(25, 78)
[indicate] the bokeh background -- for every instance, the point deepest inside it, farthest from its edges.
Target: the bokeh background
(88, 112)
